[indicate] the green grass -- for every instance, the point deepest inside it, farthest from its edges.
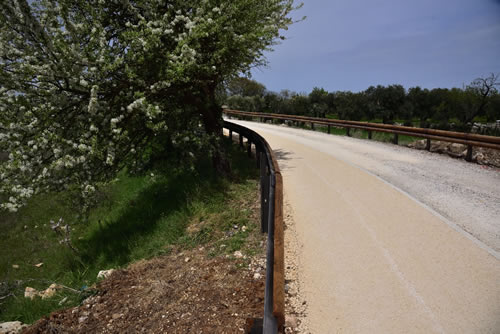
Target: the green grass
(138, 217)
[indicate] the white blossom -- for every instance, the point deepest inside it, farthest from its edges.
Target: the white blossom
(81, 94)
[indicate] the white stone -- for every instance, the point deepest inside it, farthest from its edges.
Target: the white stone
(291, 321)
(12, 327)
(30, 292)
(105, 273)
(238, 254)
(50, 291)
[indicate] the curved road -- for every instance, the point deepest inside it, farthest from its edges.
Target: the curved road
(392, 240)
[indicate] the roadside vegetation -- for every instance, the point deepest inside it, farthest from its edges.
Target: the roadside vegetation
(111, 136)
(137, 217)
(448, 109)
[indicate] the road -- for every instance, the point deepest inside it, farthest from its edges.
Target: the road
(391, 240)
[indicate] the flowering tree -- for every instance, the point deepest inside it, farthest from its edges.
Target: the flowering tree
(90, 87)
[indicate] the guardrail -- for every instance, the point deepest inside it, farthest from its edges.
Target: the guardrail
(271, 208)
(468, 139)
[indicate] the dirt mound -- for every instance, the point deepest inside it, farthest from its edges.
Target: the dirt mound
(481, 155)
(188, 292)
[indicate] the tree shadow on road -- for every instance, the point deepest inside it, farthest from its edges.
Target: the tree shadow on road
(283, 157)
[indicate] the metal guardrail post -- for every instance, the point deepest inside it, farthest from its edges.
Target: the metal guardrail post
(257, 155)
(395, 139)
(328, 128)
(468, 155)
(348, 132)
(369, 135)
(249, 148)
(279, 253)
(428, 145)
(312, 126)
(264, 193)
(241, 139)
(270, 322)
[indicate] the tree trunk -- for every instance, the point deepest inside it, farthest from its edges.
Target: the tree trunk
(213, 123)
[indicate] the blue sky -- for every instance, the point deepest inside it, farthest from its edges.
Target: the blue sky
(352, 44)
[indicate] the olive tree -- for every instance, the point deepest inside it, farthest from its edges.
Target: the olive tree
(477, 96)
(88, 88)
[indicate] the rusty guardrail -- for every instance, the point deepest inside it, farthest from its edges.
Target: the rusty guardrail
(271, 208)
(468, 139)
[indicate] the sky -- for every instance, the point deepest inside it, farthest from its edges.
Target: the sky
(353, 44)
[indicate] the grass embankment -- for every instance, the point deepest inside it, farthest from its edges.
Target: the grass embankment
(137, 217)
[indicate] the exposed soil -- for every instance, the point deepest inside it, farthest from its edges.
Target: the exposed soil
(186, 292)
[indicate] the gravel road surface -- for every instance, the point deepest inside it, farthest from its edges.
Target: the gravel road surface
(391, 240)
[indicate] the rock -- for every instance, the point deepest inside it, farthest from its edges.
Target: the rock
(257, 276)
(91, 300)
(47, 293)
(419, 144)
(193, 229)
(187, 260)
(440, 147)
(39, 265)
(15, 266)
(50, 291)
(116, 316)
(105, 273)
(82, 319)
(480, 158)
(244, 228)
(238, 254)
(457, 149)
(291, 321)
(31, 292)
(12, 327)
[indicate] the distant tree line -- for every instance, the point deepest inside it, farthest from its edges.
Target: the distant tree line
(455, 108)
